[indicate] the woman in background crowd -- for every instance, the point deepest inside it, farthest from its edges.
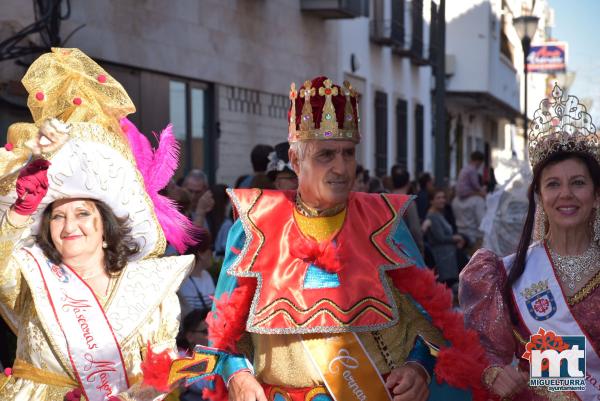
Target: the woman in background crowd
(198, 288)
(442, 241)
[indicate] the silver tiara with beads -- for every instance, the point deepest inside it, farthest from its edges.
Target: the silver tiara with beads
(561, 124)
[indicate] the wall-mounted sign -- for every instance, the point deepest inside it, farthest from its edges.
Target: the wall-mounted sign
(547, 58)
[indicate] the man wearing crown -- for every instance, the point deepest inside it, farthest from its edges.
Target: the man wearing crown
(323, 294)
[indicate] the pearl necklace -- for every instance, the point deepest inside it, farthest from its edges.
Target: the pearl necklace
(572, 269)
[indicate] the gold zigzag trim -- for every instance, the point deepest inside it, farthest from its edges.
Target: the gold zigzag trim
(383, 228)
(317, 314)
(585, 290)
(320, 302)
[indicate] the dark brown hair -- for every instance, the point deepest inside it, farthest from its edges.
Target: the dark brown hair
(204, 242)
(518, 266)
(120, 244)
(437, 190)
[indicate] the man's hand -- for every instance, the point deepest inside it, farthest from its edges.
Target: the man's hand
(426, 225)
(206, 203)
(509, 381)
(408, 383)
(459, 241)
(243, 386)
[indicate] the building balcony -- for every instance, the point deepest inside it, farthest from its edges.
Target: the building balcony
(336, 9)
(495, 94)
(404, 32)
(483, 69)
(417, 52)
(386, 32)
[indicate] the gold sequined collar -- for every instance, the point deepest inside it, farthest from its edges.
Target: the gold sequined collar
(308, 211)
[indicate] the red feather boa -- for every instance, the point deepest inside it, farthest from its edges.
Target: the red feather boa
(460, 365)
(155, 368)
(227, 325)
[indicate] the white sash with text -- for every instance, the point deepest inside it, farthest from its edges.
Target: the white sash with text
(92, 347)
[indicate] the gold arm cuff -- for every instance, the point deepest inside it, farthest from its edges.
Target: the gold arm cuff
(24, 370)
(490, 374)
(16, 226)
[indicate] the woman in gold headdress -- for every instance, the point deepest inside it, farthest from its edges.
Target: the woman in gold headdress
(80, 281)
(526, 302)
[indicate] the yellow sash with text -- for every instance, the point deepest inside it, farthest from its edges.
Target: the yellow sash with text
(345, 366)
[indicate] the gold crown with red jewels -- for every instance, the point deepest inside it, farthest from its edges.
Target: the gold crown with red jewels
(322, 110)
(561, 124)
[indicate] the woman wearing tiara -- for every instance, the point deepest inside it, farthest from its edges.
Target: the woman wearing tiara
(552, 281)
(81, 229)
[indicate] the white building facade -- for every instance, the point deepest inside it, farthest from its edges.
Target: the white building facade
(485, 85)
(220, 70)
(386, 57)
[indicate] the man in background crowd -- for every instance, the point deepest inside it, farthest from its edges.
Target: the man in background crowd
(280, 170)
(259, 157)
(400, 181)
(424, 195)
(201, 197)
(469, 202)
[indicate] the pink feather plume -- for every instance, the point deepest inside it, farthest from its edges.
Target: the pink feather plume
(157, 167)
(166, 157)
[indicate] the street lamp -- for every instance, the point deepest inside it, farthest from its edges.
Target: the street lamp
(525, 25)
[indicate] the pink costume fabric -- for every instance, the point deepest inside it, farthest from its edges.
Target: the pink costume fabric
(488, 312)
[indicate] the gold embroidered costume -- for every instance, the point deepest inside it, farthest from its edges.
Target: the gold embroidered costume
(38, 374)
(281, 359)
(95, 161)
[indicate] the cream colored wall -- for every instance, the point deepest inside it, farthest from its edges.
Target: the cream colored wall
(258, 45)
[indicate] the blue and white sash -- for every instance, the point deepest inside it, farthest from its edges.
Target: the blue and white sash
(541, 303)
